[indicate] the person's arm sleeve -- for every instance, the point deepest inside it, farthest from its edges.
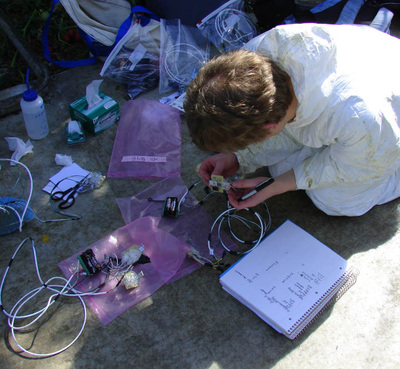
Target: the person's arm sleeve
(266, 153)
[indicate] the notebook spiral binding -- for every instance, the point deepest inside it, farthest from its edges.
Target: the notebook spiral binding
(349, 278)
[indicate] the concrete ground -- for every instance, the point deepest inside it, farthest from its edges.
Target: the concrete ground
(192, 322)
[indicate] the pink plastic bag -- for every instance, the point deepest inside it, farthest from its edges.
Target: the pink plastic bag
(148, 141)
(191, 227)
(166, 254)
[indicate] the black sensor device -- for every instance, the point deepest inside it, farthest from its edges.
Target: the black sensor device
(170, 209)
(88, 262)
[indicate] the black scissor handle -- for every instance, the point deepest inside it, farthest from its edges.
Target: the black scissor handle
(66, 202)
(66, 198)
(58, 195)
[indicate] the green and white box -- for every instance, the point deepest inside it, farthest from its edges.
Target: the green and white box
(98, 118)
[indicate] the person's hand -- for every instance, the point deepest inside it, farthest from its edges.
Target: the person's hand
(225, 165)
(283, 183)
(242, 187)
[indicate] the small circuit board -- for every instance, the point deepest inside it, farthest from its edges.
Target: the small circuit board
(219, 183)
(88, 262)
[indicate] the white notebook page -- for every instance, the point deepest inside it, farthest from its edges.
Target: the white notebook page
(285, 276)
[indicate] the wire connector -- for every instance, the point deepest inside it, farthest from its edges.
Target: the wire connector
(193, 253)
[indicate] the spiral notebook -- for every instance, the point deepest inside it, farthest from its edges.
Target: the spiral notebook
(288, 279)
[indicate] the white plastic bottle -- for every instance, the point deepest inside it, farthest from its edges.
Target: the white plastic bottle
(34, 115)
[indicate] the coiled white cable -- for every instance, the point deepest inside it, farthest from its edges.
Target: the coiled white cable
(226, 216)
(234, 36)
(67, 290)
(191, 56)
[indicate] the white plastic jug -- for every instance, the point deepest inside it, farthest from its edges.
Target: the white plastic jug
(34, 115)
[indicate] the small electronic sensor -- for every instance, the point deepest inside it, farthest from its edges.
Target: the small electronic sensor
(132, 254)
(219, 183)
(170, 209)
(131, 279)
(88, 262)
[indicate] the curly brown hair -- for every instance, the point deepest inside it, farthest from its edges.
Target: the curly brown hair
(233, 97)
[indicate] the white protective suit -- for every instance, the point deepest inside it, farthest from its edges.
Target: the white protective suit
(344, 144)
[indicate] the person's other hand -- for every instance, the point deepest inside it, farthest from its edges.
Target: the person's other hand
(225, 165)
(242, 187)
(283, 183)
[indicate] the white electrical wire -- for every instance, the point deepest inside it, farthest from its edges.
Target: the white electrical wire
(67, 290)
(266, 226)
(183, 198)
(26, 203)
(189, 53)
(21, 217)
(7, 207)
(26, 206)
(234, 36)
(51, 300)
(116, 268)
(226, 216)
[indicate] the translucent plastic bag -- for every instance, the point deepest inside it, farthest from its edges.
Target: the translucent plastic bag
(166, 254)
(134, 61)
(184, 51)
(148, 141)
(228, 27)
(191, 227)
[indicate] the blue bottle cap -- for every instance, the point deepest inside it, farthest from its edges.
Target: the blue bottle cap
(29, 95)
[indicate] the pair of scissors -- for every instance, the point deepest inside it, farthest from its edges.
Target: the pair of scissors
(67, 197)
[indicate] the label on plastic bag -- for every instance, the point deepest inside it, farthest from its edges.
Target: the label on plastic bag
(137, 55)
(144, 159)
(230, 22)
